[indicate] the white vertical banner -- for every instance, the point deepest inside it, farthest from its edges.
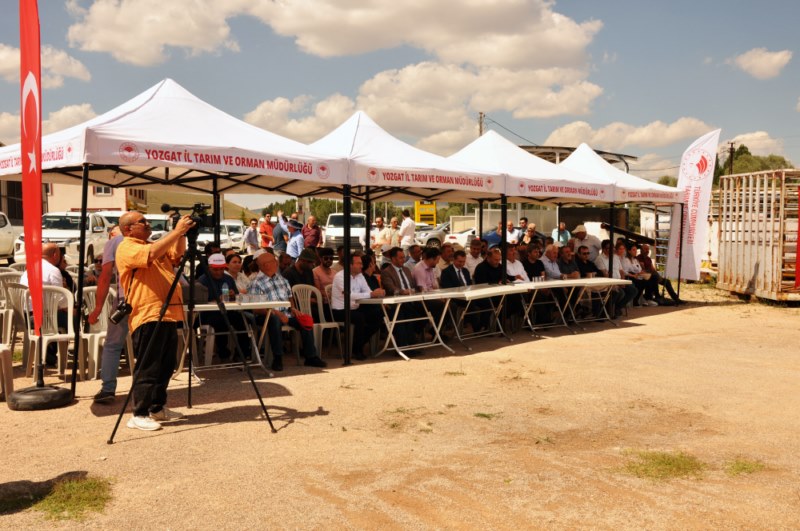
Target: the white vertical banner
(695, 180)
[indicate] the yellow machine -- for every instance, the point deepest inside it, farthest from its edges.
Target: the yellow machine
(425, 212)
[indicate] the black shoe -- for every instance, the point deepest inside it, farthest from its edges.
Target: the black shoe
(316, 361)
(277, 364)
(104, 397)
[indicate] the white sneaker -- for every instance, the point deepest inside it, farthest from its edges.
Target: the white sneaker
(143, 423)
(166, 415)
(650, 302)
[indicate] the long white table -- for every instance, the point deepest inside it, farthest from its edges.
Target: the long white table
(255, 340)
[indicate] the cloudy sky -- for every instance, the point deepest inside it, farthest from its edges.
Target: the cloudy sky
(642, 78)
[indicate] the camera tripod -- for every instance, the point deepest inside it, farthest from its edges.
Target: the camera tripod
(189, 257)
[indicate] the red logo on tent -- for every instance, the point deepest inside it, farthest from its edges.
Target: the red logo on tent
(128, 152)
(372, 175)
(323, 171)
(521, 186)
(489, 183)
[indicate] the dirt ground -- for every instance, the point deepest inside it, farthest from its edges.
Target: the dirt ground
(523, 435)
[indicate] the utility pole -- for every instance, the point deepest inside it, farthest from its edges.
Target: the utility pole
(731, 151)
(480, 123)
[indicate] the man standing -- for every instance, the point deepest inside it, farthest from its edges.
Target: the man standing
(388, 237)
(561, 235)
(407, 231)
(494, 237)
(375, 236)
(115, 333)
(275, 287)
(251, 237)
(296, 243)
(312, 234)
(279, 232)
(589, 240)
(266, 231)
(146, 272)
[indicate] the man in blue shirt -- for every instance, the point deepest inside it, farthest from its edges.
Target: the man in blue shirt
(279, 235)
(296, 242)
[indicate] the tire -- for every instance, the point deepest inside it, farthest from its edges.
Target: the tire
(38, 398)
(433, 242)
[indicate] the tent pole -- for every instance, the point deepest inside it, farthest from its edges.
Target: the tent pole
(217, 214)
(503, 235)
(78, 316)
(680, 253)
(347, 208)
(480, 218)
(368, 221)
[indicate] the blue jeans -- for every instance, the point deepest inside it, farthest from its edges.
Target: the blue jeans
(112, 348)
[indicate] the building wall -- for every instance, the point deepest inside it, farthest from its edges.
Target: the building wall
(63, 197)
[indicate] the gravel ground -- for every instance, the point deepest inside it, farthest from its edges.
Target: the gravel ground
(529, 434)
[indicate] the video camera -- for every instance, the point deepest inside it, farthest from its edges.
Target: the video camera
(199, 214)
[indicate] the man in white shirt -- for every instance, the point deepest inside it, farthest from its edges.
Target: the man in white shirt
(474, 256)
(624, 294)
(589, 240)
(512, 236)
(407, 231)
(51, 276)
(514, 267)
(366, 320)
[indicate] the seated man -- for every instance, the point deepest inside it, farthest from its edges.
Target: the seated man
(455, 276)
(397, 279)
(648, 267)
(474, 257)
(51, 276)
(587, 269)
(622, 294)
(533, 265)
(366, 320)
(489, 271)
(301, 271)
(215, 280)
(425, 278)
(646, 287)
(276, 288)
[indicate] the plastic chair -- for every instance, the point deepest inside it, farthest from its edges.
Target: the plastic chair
(73, 269)
(6, 373)
(16, 301)
(5, 269)
(92, 340)
(305, 297)
(5, 311)
(16, 266)
(52, 296)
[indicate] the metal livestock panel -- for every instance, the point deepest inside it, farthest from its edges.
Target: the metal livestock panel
(758, 234)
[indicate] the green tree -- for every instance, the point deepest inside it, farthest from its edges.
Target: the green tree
(746, 162)
(668, 180)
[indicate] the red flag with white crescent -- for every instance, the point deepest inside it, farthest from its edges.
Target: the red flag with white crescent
(31, 148)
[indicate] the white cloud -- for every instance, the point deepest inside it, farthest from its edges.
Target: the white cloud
(620, 135)
(55, 121)
(652, 166)
(299, 119)
(139, 31)
(503, 33)
(758, 142)
(761, 63)
(56, 65)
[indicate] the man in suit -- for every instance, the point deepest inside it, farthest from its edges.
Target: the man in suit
(397, 279)
(457, 275)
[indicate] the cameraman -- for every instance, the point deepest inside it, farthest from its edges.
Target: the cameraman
(146, 274)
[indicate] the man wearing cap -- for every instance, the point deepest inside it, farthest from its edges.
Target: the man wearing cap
(296, 243)
(589, 240)
(216, 281)
(275, 287)
(301, 271)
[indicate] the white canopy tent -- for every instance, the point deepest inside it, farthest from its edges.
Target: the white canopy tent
(628, 188)
(530, 177)
(166, 136)
(388, 168)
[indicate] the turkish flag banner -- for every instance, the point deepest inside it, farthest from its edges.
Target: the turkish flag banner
(31, 149)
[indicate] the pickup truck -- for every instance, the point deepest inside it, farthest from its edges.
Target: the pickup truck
(333, 235)
(8, 233)
(64, 229)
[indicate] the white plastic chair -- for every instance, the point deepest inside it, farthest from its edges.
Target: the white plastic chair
(305, 297)
(53, 297)
(5, 310)
(93, 339)
(73, 269)
(16, 302)
(18, 267)
(5, 269)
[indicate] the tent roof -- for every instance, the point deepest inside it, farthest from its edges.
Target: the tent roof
(393, 169)
(166, 136)
(530, 177)
(629, 188)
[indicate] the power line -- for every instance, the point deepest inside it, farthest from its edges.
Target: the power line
(510, 131)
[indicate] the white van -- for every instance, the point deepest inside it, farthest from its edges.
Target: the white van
(333, 235)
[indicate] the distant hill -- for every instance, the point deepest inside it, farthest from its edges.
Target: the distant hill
(155, 198)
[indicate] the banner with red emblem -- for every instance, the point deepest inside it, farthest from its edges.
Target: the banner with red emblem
(31, 148)
(694, 180)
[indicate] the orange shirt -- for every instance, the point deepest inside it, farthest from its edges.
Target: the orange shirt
(151, 283)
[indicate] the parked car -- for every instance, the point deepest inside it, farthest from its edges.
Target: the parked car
(333, 235)
(8, 233)
(206, 235)
(235, 233)
(463, 238)
(433, 237)
(64, 228)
